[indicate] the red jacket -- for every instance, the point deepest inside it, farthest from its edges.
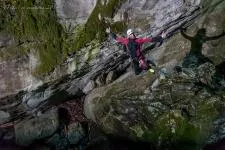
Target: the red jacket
(134, 45)
(138, 42)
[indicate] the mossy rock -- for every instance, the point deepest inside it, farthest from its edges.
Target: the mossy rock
(164, 116)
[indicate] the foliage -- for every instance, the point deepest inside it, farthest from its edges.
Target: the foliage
(35, 22)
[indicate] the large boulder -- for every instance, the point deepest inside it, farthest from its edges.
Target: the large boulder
(54, 128)
(166, 109)
(28, 131)
(74, 135)
(4, 117)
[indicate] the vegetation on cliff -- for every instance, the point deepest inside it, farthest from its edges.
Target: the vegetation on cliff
(96, 25)
(34, 25)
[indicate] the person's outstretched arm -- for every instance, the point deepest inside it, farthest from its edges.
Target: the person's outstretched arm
(154, 39)
(215, 37)
(185, 35)
(115, 37)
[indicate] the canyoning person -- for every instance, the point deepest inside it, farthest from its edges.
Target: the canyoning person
(133, 46)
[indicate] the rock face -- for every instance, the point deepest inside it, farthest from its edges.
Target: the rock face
(4, 117)
(74, 135)
(74, 12)
(36, 129)
(152, 16)
(15, 74)
(167, 57)
(180, 108)
(50, 129)
(21, 73)
(162, 108)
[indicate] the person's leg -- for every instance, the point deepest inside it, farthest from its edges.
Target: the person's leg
(143, 64)
(146, 66)
(150, 63)
(135, 66)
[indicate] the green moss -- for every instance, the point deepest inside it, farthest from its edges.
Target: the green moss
(206, 113)
(95, 28)
(173, 131)
(69, 39)
(119, 26)
(5, 13)
(35, 22)
(139, 131)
